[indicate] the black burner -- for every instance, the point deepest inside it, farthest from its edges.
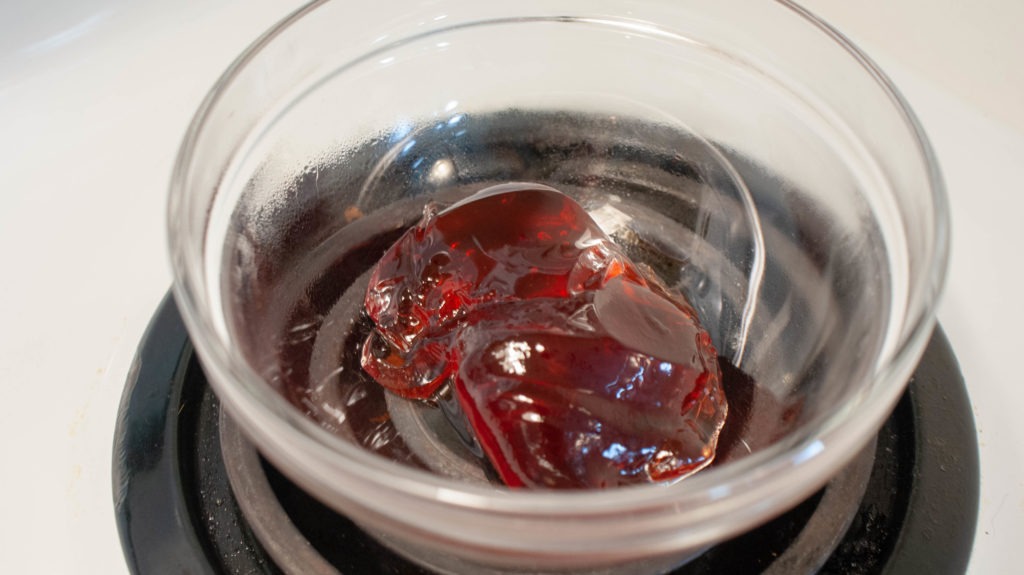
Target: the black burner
(177, 512)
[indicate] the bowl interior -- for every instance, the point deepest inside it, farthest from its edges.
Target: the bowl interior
(786, 265)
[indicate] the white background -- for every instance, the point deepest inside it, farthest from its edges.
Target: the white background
(95, 96)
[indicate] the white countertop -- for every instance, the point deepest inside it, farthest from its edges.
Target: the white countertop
(95, 96)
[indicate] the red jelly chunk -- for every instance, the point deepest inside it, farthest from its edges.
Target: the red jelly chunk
(573, 369)
(603, 389)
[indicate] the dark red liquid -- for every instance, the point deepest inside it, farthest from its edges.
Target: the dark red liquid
(572, 366)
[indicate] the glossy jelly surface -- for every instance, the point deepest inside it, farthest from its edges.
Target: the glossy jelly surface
(574, 368)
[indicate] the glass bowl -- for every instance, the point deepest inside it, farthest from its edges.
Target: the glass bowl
(746, 152)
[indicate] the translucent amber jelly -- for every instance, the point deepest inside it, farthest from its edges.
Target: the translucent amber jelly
(574, 369)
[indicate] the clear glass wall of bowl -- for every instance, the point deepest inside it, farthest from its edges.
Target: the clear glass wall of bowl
(745, 152)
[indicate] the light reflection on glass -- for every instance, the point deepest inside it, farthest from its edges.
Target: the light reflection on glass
(614, 450)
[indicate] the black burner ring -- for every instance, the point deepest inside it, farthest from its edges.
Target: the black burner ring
(176, 511)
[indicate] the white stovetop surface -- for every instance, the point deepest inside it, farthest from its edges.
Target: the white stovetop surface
(95, 96)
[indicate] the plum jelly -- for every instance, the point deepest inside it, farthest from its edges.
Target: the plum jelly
(573, 366)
